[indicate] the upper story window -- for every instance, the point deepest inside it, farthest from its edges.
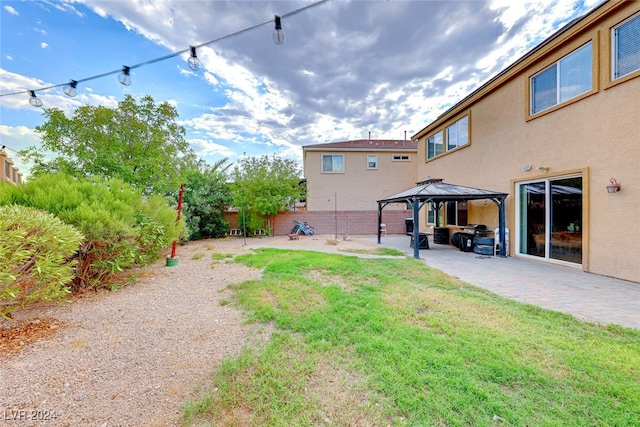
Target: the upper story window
(401, 157)
(453, 136)
(458, 133)
(372, 161)
(434, 145)
(626, 47)
(569, 77)
(333, 163)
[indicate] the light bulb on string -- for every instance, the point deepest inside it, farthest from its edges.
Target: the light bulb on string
(193, 61)
(278, 33)
(124, 77)
(70, 89)
(34, 100)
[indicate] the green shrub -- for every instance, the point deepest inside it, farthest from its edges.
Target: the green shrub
(36, 251)
(122, 228)
(8, 193)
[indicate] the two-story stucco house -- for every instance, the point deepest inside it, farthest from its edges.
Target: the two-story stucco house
(352, 175)
(8, 171)
(556, 130)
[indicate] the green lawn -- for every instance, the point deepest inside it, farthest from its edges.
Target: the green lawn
(377, 342)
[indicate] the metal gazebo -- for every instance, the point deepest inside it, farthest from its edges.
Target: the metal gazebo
(436, 191)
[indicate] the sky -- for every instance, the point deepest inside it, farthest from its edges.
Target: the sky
(347, 69)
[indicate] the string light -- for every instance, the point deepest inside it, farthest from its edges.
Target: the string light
(125, 77)
(278, 33)
(193, 61)
(34, 100)
(70, 89)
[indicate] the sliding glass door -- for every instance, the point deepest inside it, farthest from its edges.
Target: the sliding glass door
(549, 218)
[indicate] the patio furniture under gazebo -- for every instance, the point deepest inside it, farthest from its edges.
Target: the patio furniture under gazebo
(435, 191)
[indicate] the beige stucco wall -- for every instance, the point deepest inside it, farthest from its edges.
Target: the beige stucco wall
(358, 188)
(6, 164)
(597, 135)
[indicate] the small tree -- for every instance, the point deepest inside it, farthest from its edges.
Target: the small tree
(206, 196)
(266, 185)
(139, 143)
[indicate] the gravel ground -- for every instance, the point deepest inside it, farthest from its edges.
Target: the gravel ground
(135, 356)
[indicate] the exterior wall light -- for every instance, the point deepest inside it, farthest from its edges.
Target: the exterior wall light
(614, 187)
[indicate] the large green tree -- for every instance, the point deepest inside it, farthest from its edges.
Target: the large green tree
(138, 142)
(206, 196)
(266, 185)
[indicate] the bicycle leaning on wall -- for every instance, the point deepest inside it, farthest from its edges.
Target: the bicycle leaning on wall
(303, 228)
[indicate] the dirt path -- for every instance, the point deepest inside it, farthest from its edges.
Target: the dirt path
(135, 356)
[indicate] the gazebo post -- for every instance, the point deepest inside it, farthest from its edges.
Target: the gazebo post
(416, 228)
(379, 220)
(502, 232)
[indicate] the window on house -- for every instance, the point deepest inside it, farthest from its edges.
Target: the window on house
(7, 168)
(569, 77)
(457, 213)
(332, 163)
(458, 133)
(431, 213)
(626, 47)
(434, 145)
(401, 157)
(372, 161)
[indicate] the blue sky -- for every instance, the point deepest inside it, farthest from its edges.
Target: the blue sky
(346, 69)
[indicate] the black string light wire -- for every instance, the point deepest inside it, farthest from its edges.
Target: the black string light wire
(125, 77)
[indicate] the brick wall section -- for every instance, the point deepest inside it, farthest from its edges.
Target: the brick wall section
(348, 222)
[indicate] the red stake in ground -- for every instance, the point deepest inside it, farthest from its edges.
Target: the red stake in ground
(173, 248)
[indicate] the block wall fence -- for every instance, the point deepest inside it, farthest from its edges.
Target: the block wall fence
(342, 222)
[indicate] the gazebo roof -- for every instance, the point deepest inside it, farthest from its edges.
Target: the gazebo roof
(433, 189)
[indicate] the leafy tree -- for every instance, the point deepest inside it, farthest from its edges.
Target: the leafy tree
(266, 185)
(137, 142)
(206, 196)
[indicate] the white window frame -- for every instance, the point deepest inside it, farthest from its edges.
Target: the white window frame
(615, 73)
(372, 161)
(333, 163)
(401, 158)
(438, 139)
(560, 99)
(453, 133)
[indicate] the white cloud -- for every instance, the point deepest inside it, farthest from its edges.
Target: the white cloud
(44, 45)
(11, 10)
(18, 138)
(13, 82)
(347, 68)
(208, 148)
